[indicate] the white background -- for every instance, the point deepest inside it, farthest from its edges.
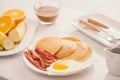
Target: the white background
(13, 67)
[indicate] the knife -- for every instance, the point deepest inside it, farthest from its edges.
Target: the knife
(88, 25)
(94, 22)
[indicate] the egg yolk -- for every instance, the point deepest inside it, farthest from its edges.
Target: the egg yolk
(60, 66)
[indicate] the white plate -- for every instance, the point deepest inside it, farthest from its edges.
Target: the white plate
(24, 42)
(112, 24)
(84, 65)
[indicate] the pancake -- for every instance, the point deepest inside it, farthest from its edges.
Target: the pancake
(79, 53)
(88, 54)
(67, 49)
(50, 44)
(71, 38)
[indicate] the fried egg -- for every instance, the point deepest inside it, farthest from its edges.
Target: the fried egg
(64, 66)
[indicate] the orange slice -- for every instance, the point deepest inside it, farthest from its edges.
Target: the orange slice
(6, 23)
(17, 14)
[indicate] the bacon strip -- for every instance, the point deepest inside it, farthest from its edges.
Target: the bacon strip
(45, 54)
(34, 62)
(40, 58)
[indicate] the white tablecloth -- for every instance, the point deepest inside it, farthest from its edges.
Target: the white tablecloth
(13, 67)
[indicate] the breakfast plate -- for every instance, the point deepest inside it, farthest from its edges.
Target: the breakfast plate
(81, 66)
(98, 36)
(30, 30)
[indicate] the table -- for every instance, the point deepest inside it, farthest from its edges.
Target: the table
(13, 67)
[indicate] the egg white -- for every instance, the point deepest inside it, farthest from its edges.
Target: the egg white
(73, 66)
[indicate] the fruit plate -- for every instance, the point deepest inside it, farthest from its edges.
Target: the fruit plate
(98, 36)
(83, 65)
(30, 30)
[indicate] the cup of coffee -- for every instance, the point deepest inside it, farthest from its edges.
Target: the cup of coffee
(113, 60)
(47, 11)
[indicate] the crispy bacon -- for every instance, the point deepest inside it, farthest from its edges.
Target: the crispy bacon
(47, 61)
(45, 54)
(48, 53)
(40, 58)
(34, 62)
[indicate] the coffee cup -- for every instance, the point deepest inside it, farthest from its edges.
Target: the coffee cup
(47, 11)
(113, 60)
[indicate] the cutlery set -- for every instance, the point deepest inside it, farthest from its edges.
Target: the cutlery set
(103, 30)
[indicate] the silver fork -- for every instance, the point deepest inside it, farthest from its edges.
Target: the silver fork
(109, 37)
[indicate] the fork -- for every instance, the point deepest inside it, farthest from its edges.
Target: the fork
(111, 38)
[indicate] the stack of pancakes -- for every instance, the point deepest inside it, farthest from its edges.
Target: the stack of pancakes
(65, 48)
